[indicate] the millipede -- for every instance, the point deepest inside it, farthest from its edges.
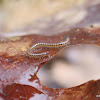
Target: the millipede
(49, 45)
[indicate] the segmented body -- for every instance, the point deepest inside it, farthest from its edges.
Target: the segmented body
(50, 45)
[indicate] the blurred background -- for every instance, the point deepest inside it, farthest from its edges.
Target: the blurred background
(72, 66)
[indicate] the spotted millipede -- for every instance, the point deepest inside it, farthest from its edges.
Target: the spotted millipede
(52, 45)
